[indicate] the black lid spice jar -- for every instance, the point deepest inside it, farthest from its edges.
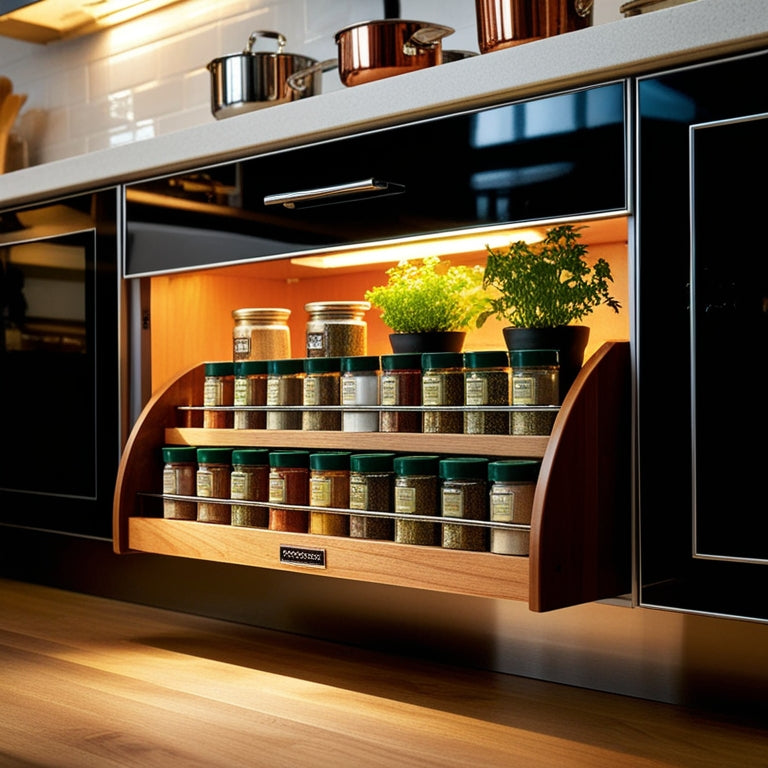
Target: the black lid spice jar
(486, 382)
(512, 488)
(250, 389)
(442, 383)
(285, 386)
(371, 486)
(322, 387)
(180, 466)
(400, 385)
(464, 494)
(337, 328)
(329, 487)
(212, 479)
(535, 381)
(360, 386)
(249, 481)
(218, 390)
(289, 484)
(416, 493)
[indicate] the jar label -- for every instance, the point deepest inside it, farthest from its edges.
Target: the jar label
(476, 391)
(358, 493)
(170, 484)
(524, 390)
(311, 391)
(273, 390)
(390, 390)
(204, 483)
(433, 390)
(213, 391)
(349, 390)
(241, 346)
(405, 500)
(315, 343)
(241, 391)
(320, 491)
(277, 489)
(453, 502)
(502, 507)
(240, 485)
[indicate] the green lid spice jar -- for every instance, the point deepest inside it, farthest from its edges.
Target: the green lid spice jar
(400, 385)
(512, 488)
(180, 466)
(249, 481)
(464, 494)
(337, 328)
(329, 487)
(250, 389)
(322, 386)
(416, 493)
(289, 484)
(486, 382)
(371, 486)
(218, 390)
(442, 383)
(213, 468)
(360, 386)
(285, 386)
(535, 381)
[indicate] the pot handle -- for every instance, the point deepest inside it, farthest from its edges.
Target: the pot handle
(583, 7)
(296, 80)
(254, 36)
(425, 38)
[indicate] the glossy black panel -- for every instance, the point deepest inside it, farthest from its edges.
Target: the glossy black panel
(544, 158)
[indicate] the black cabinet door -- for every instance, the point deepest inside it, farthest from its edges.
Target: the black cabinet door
(703, 338)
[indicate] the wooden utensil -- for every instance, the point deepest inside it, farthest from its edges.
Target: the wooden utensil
(9, 110)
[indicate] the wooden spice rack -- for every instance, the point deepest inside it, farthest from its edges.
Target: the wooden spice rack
(580, 548)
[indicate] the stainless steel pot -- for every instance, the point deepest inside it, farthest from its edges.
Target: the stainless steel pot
(243, 82)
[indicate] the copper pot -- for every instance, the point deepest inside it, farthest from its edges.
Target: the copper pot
(373, 50)
(504, 23)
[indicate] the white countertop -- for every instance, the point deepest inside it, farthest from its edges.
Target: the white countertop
(646, 43)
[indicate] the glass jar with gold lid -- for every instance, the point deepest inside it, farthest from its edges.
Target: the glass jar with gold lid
(337, 328)
(261, 333)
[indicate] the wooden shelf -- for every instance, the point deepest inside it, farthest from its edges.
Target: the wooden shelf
(580, 528)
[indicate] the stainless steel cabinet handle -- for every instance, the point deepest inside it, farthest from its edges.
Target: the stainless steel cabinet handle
(336, 193)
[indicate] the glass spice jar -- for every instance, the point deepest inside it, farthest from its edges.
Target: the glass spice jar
(261, 333)
(400, 385)
(486, 382)
(464, 494)
(360, 386)
(212, 479)
(250, 389)
(329, 487)
(442, 383)
(218, 390)
(180, 466)
(371, 486)
(322, 387)
(289, 484)
(337, 328)
(535, 381)
(416, 492)
(512, 488)
(285, 386)
(249, 481)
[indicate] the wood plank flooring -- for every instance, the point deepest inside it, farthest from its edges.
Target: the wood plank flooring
(86, 681)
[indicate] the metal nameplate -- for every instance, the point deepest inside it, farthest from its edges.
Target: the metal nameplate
(306, 556)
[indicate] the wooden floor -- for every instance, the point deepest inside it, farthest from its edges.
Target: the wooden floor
(86, 681)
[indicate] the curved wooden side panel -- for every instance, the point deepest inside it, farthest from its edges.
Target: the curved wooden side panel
(581, 524)
(140, 466)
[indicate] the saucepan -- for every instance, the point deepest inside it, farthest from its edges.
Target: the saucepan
(373, 50)
(242, 82)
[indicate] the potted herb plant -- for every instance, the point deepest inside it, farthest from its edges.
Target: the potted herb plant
(542, 290)
(429, 304)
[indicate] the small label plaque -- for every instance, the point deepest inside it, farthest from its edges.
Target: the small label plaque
(306, 556)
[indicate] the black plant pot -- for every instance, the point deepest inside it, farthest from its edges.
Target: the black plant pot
(430, 341)
(569, 340)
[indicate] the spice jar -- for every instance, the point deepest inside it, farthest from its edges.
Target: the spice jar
(416, 493)
(464, 494)
(213, 468)
(337, 328)
(512, 488)
(400, 385)
(289, 484)
(360, 386)
(285, 379)
(249, 481)
(535, 381)
(442, 383)
(180, 466)
(218, 390)
(261, 333)
(486, 382)
(329, 487)
(371, 485)
(250, 389)
(322, 387)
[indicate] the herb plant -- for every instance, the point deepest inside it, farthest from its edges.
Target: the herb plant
(545, 284)
(428, 294)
